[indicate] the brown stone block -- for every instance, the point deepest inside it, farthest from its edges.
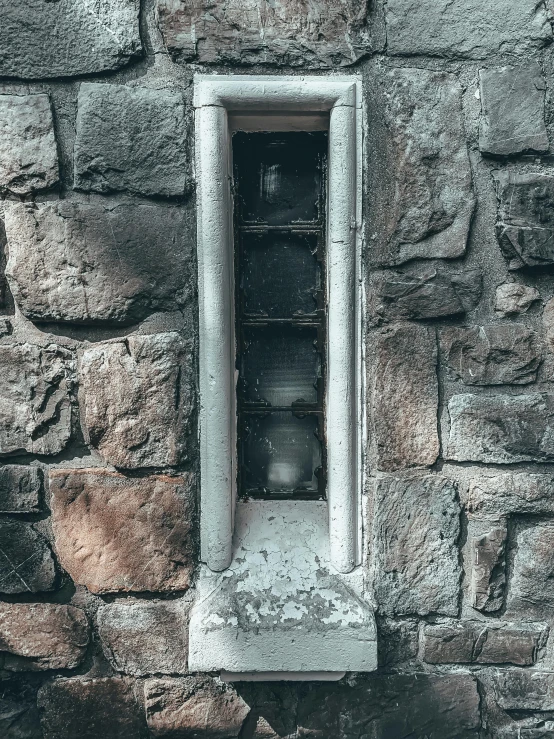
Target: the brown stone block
(137, 400)
(477, 642)
(42, 636)
(142, 638)
(488, 569)
(104, 708)
(521, 492)
(404, 397)
(285, 32)
(120, 534)
(193, 707)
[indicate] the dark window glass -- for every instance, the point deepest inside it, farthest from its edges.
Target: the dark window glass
(279, 182)
(281, 453)
(280, 275)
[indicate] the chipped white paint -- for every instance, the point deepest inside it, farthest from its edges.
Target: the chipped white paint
(216, 98)
(280, 607)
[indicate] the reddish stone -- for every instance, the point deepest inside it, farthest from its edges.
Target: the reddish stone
(120, 534)
(42, 636)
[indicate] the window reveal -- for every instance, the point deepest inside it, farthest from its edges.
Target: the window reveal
(279, 182)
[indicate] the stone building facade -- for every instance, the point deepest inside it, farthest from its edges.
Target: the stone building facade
(99, 483)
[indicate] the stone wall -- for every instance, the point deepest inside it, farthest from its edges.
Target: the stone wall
(98, 365)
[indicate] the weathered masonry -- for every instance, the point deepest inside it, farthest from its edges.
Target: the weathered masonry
(276, 369)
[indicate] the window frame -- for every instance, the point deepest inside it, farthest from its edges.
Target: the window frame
(269, 101)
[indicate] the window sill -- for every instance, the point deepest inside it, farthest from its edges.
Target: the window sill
(280, 607)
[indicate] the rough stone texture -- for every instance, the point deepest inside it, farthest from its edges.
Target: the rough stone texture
(397, 641)
(26, 561)
(419, 293)
(119, 534)
(42, 636)
(523, 689)
(20, 489)
(512, 104)
(35, 408)
(141, 638)
(404, 397)
(90, 709)
(28, 154)
(501, 429)
(264, 730)
(521, 492)
(421, 200)
(513, 298)
(415, 529)
(472, 29)
(98, 262)
(531, 592)
(548, 323)
(284, 33)
(525, 227)
(495, 354)
(193, 707)
(19, 717)
(69, 37)
(137, 400)
(131, 138)
(488, 569)
(475, 642)
(392, 706)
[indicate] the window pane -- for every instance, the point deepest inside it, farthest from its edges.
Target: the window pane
(279, 176)
(280, 365)
(280, 453)
(280, 274)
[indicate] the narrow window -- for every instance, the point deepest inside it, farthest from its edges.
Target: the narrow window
(279, 181)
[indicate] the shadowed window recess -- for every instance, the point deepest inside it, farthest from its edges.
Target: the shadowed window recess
(279, 188)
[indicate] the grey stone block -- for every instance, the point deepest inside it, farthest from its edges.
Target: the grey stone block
(89, 709)
(131, 138)
(495, 354)
(501, 429)
(531, 690)
(137, 400)
(35, 407)
(525, 227)
(69, 37)
(531, 592)
(20, 489)
(108, 263)
(420, 196)
(512, 103)
(413, 546)
(522, 492)
(143, 638)
(513, 298)
(392, 706)
(404, 397)
(469, 30)
(28, 154)
(26, 560)
(420, 293)
(488, 569)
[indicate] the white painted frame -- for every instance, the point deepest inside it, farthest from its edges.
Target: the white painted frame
(215, 97)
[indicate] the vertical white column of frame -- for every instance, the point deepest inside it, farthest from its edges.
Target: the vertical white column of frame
(342, 452)
(216, 324)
